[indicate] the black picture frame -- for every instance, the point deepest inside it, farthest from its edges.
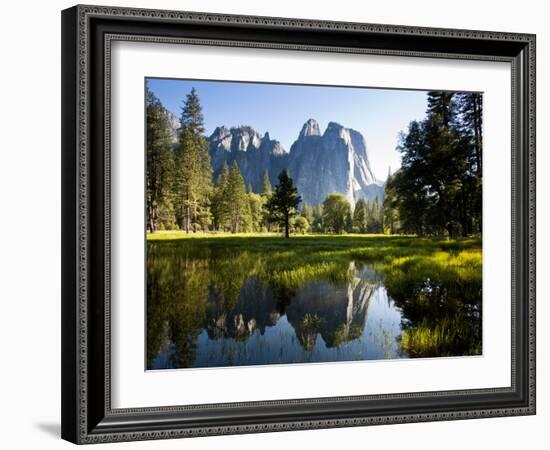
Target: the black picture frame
(87, 32)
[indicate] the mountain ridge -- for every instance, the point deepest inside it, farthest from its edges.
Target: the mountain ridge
(336, 160)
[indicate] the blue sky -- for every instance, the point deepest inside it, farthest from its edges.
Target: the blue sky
(378, 114)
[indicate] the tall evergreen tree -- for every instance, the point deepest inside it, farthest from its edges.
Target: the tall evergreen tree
(236, 198)
(219, 205)
(348, 225)
(193, 174)
(441, 108)
(374, 217)
(159, 160)
(317, 224)
(307, 213)
(266, 185)
(360, 217)
(284, 201)
(390, 207)
(437, 190)
(470, 106)
(192, 118)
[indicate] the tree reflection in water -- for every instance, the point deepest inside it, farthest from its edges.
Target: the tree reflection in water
(212, 306)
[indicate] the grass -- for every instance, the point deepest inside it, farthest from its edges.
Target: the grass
(443, 339)
(294, 261)
(436, 282)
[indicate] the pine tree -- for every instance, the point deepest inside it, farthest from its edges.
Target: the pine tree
(470, 106)
(307, 213)
(191, 114)
(283, 202)
(441, 107)
(437, 190)
(187, 179)
(470, 125)
(360, 216)
(160, 163)
(348, 225)
(266, 185)
(193, 175)
(445, 159)
(390, 207)
(317, 224)
(236, 198)
(220, 210)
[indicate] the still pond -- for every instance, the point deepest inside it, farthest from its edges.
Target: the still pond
(237, 301)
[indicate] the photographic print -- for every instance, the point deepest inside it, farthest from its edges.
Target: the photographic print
(294, 223)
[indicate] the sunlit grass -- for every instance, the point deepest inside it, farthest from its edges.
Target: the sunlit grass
(436, 282)
(443, 339)
(292, 262)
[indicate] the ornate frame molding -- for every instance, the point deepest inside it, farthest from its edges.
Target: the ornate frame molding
(83, 421)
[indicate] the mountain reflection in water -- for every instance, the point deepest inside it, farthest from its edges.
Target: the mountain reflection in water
(218, 309)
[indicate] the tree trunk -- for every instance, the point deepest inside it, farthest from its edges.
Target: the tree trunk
(287, 234)
(450, 230)
(187, 219)
(477, 134)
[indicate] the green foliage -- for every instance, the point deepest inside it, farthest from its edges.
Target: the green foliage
(236, 200)
(307, 213)
(390, 219)
(283, 202)
(193, 174)
(166, 215)
(220, 208)
(360, 214)
(191, 114)
(301, 225)
(438, 188)
(448, 337)
(336, 213)
(256, 205)
(266, 185)
(317, 222)
(160, 163)
(374, 217)
(436, 282)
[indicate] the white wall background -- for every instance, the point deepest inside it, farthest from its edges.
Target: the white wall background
(30, 222)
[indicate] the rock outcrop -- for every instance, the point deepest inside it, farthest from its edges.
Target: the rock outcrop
(254, 154)
(334, 161)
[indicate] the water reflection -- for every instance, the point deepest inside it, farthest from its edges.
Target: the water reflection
(212, 307)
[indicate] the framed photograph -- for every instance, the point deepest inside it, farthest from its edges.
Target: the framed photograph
(279, 224)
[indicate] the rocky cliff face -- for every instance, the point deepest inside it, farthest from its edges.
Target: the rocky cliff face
(254, 154)
(335, 161)
(174, 125)
(319, 163)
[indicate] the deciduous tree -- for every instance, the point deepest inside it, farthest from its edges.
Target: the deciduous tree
(336, 210)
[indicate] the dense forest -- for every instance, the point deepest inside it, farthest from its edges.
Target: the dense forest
(437, 190)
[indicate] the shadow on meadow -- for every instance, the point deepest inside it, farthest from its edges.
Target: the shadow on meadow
(235, 286)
